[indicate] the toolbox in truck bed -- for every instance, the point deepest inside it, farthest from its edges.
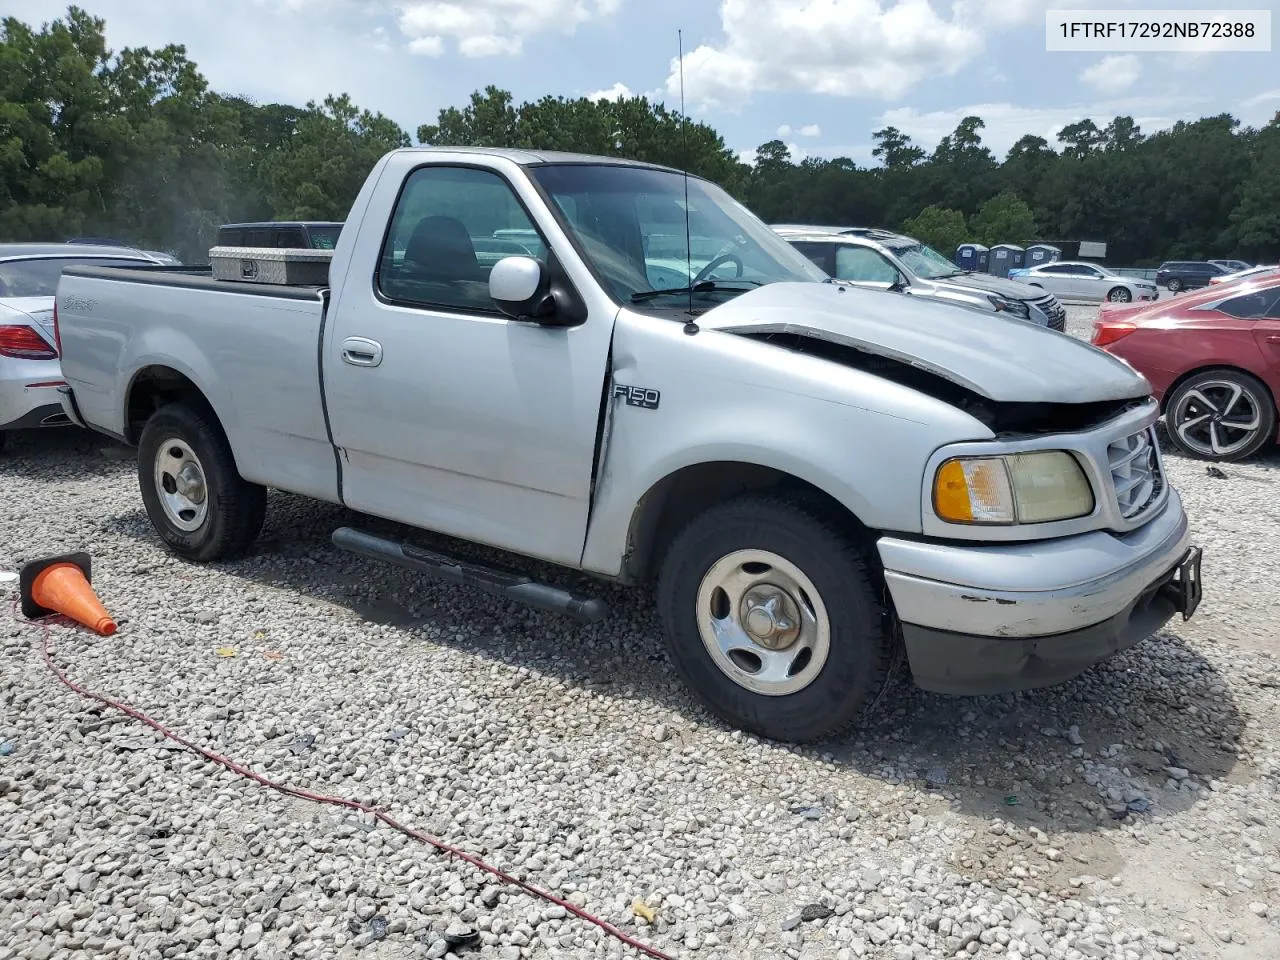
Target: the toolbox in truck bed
(287, 265)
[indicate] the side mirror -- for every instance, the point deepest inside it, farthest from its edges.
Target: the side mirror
(521, 289)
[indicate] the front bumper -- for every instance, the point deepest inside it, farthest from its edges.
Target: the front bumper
(29, 394)
(993, 619)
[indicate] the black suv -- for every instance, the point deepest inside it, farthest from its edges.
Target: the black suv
(313, 234)
(1178, 275)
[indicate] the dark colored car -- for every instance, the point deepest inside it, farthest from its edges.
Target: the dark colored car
(292, 234)
(1179, 275)
(1213, 361)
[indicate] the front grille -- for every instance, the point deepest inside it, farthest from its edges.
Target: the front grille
(1054, 310)
(1135, 472)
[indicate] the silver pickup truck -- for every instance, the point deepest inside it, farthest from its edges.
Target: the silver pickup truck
(805, 476)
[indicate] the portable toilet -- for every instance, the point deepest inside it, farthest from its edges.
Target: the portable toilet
(1039, 253)
(1006, 257)
(972, 256)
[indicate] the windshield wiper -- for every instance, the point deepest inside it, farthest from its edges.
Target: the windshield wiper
(702, 286)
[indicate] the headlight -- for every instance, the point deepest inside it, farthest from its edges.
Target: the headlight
(1020, 488)
(1016, 307)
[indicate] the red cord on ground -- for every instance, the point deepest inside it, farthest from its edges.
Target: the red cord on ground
(244, 771)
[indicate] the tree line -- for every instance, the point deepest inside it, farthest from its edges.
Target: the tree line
(134, 145)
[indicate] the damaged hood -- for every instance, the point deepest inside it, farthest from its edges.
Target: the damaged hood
(1001, 358)
(1012, 289)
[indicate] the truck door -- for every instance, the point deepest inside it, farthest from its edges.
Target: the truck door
(449, 416)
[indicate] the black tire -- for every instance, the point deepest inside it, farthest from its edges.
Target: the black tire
(1174, 285)
(1180, 407)
(859, 646)
(4, 438)
(1119, 295)
(236, 508)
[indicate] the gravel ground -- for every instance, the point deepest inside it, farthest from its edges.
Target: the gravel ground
(1132, 813)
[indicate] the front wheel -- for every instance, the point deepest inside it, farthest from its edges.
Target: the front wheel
(1220, 415)
(1120, 295)
(196, 499)
(1174, 285)
(772, 620)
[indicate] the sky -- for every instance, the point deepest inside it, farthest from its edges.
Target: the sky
(820, 75)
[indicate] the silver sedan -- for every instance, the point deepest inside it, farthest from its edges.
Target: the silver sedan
(1077, 280)
(30, 372)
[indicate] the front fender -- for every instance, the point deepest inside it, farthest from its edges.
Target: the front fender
(861, 439)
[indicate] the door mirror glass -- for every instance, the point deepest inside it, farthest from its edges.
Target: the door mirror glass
(520, 288)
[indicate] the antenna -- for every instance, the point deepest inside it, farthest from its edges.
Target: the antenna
(691, 327)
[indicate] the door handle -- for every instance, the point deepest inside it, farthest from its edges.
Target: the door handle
(1273, 338)
(361, 352)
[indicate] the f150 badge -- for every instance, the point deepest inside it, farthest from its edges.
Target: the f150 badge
(645, 397)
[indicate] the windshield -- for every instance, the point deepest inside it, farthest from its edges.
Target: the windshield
(924, 261)
(39, 277)
(629, 222)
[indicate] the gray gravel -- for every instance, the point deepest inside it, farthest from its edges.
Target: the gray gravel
(1133, 813)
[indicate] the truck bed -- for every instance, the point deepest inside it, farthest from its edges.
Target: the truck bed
(252, 349)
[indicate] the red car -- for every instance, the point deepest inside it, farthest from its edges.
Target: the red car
(1213, 360)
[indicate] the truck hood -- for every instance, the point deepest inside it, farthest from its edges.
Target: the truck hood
(989, 284)
(997, 357)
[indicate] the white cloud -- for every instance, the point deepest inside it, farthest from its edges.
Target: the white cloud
(1112, 74)
(619, 91)
(856, 47)
(811, 130)
(784, 130)
(1006, 123)
(490, 28)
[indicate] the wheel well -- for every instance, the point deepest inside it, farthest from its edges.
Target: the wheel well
(152, 388)
(1207, 368)
(677, 498)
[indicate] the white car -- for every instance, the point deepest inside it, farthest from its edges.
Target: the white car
(1077, 280)
(30, 372)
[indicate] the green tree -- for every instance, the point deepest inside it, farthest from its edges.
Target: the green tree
(939, 227)
(333, 147)
(1255, 222)
(894, 148)
(1004, 219)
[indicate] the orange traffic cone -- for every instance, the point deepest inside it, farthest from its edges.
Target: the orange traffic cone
(61, 585)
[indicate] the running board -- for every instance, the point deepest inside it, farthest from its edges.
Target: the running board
(500, 583)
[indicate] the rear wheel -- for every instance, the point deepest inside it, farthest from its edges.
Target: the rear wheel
(196, 499)
(1120, 295)
(772, 620)
(1220, 415)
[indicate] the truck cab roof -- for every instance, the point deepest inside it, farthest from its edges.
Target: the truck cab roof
(529, 158)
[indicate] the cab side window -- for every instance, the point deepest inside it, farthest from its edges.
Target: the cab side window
(864, 264)
(450, 226)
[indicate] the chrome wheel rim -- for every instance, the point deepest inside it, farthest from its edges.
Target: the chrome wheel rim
(1119, 296)
(1217, 418)
(181, 486)
(763, 622)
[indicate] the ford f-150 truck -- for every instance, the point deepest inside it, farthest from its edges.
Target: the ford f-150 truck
(806, 476)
